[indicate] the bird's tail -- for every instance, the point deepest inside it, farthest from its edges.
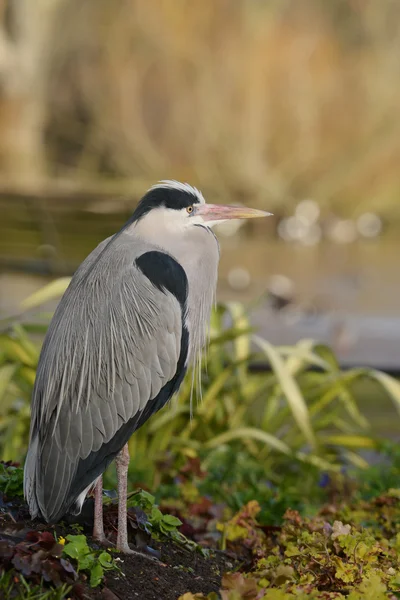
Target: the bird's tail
(30, 478)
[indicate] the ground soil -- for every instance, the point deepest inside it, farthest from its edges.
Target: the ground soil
(177, 571)
(180, 571)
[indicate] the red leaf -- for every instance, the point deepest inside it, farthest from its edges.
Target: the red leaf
(46, 540)
(32, 536)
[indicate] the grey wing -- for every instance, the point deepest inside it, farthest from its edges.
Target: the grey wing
(114, 354)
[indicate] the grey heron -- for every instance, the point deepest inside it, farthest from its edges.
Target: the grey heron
(134, 316)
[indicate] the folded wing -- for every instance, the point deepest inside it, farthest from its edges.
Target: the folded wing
(115, 352)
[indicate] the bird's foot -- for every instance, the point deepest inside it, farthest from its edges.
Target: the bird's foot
(101, 539)
(126, 549)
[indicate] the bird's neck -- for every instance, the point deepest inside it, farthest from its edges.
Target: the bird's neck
(199, 256)
(197, 250)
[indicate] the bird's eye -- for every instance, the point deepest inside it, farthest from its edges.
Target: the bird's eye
(189, 209)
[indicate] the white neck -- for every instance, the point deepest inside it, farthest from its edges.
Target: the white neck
(196, 249)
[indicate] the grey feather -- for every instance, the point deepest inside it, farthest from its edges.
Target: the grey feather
(113, 343)
(79, 403)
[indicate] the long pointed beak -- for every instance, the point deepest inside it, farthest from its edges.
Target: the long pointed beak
(223, 212)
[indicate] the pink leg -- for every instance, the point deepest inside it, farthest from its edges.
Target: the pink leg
(98, 528)
(122, 463)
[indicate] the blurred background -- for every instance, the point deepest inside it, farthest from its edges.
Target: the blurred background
(292, 107)
(287, 106)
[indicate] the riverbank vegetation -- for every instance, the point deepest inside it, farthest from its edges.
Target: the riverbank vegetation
(261, 486)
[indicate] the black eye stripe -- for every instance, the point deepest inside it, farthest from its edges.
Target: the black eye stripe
(169, 198)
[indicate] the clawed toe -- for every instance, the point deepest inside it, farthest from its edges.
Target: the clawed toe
(103, 541)
(126, 549)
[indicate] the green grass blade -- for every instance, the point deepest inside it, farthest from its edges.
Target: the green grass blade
(389, 384)
(290, 389)
(244, 433)
(51, 291)
(351, 441)
(6, 374)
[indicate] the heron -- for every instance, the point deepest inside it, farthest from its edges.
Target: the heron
(133, 318)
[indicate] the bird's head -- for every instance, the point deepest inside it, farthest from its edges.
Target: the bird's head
(179, 207)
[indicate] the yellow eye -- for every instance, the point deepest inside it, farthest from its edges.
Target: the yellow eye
(189, 209)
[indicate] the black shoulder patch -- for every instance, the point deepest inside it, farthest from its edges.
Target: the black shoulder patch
(165, 273)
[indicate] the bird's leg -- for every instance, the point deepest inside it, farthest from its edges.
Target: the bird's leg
(98, 527)
(122, 463)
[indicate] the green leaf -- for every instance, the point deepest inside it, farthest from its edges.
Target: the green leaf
(167, 416)
(302, 355)
(6, 374)
(391, 385)
(86, 561)
(290, 389)
(77, 546)
(351, 441)
(156, 515)
(71, 550)
(15, 351)
(243, 433)
(241, 322)
(172, 521)
(105, 560)
(49, 292)
(96, 575)
(143, 499)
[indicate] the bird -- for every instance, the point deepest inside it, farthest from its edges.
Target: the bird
(133, 318)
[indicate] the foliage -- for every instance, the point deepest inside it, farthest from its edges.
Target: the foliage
(344, 542)
(40, 557)
(34, 559)
(384, 475)
(349, 550)
(18, 361)
(343, 545)
(236, 478)
(304, 410)
(12, 587)
(148, 523)
(87, 559)
(11, 480)
(163, 524)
